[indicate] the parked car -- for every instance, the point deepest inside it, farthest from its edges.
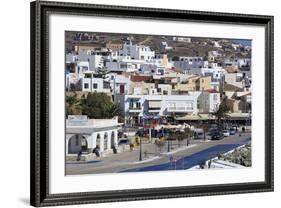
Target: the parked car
(232, 131)
(217, 135)
(142, 132)
(226, 133)
(198, 134)
(123, 141)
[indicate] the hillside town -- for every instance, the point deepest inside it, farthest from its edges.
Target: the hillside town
(145, 101)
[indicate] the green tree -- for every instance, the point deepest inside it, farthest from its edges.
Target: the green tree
(221, 112)
(177, 135)
(99, 106)
(101, 73)
(160, 143)
(73, 105)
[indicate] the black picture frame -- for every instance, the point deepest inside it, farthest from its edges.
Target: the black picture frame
(39, 188)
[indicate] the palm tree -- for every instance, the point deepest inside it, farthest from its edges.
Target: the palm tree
(205, 128)
(187, 134)
(73, 105)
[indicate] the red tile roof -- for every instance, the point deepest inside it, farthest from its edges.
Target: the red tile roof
(212, 91)
(176, 70)
(138, 78)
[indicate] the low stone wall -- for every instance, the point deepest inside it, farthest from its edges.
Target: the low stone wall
(92, 156)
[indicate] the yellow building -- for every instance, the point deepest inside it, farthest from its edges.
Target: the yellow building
(204, 83)
(196, 83)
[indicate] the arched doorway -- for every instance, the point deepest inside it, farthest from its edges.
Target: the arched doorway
(77, 143)
(105, 141)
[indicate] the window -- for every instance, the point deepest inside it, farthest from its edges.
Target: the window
(158, 89)
(202, 81)
(95, 85)
(86, 85)
(123, 66)
(131, 104)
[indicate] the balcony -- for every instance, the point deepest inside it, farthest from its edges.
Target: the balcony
(154, 106)
(180, 109)
(135, 109)
(154, 110)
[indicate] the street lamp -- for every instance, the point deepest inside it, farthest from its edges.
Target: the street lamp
(168, 145)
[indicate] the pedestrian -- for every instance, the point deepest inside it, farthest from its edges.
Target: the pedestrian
(209, 164)
(79, 155)
(131, 147)
(96, 150)
(114, 149)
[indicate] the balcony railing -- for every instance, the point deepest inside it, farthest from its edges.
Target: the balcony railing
(134, 108)
(179, 109)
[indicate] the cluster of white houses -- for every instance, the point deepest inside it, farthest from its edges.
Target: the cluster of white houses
(149, 85)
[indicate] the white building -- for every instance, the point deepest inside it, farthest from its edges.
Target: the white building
(187, 63)
(93, 84)
(164, 46)
(136, 106)
(153, 66)
(94, 58)
(138, 52)
(209, 101)
(212, 55)
(83, 134)
(216, 44)
(238, 62)
(236, 46)
(125, 65)
(235, 79)
(119, 84)
(182, 39)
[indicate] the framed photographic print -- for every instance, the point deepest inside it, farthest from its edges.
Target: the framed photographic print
(132, 103)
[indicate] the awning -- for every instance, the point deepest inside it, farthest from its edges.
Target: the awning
(154, 104)
(195, 117)
(231, 116)
(239, 116)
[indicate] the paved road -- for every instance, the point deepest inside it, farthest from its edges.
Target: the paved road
(187, 157)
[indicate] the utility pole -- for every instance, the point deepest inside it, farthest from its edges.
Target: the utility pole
(168, 145)
(140, 159)
(114, 93)
(150, 133)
